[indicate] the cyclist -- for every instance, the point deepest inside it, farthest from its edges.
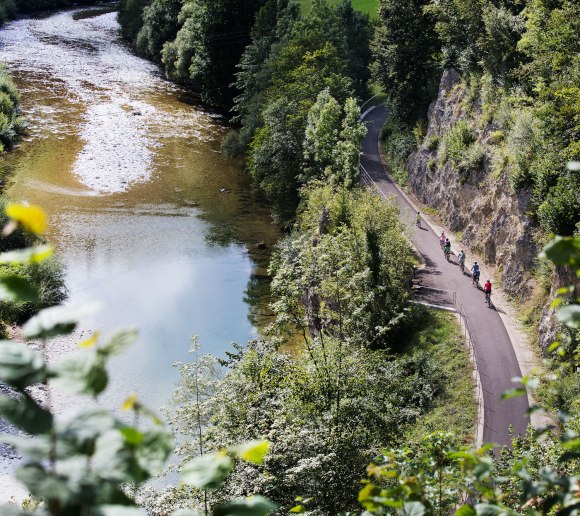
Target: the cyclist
(487, 290)
(461, 260)
(475, 273)
(418, 220)
(442, 239)
(447, 248)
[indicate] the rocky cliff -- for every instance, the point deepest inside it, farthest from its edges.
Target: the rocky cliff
(477, 203)
(474, 198)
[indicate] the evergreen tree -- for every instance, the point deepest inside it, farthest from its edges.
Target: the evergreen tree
(405, 49)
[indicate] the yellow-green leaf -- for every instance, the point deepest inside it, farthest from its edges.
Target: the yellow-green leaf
(130, 402)
(31, 255)
(91, 341)
(32, 218)
(252, 451)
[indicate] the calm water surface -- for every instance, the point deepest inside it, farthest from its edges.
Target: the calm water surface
(146, 214)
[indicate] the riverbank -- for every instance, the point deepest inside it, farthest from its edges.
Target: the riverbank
(145, 213)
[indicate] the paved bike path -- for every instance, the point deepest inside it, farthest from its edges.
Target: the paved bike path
(496, 359)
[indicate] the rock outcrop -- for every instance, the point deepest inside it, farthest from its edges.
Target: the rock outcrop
(479, 203)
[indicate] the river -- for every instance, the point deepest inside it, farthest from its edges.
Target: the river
(146, 214)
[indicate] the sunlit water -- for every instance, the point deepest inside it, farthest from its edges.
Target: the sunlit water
(146, 214)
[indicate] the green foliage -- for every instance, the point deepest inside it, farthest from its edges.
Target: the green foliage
(11, 122)
(398, 143)
(325, 410)
(405, 57)
(537, 476)
(130, 17)
(432, 142)
(209, 44)
(460, 148)
(332, 141)
(369, 7)
(297, 61)
(440, 334)
(159, 26)
(7, 10)
(352, 282)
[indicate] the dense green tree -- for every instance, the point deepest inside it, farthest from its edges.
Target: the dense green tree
(7, 10)
(345, 271)
(130, 17)
(273, 23)
(208, 46)
(276, 152)
(159, 26)
(332, 141)
(405, 49)
(11, 120)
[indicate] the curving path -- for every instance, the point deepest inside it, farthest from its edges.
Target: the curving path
(496, 359)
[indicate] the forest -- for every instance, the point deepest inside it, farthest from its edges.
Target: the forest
(354, 400)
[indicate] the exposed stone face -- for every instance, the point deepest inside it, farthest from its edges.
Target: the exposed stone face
(480, 204)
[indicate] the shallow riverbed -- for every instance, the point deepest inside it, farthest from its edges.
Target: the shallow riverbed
(146, 214)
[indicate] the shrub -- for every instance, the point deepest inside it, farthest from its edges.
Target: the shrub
(560, 211)
(522, 143)
(419, 132)
(399, 143)
(432, 165)
(496, 137)
(432, 142)
(457, 146)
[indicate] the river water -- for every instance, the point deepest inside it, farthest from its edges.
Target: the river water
(146, 214)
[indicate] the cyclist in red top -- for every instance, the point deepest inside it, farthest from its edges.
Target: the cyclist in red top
(487, 290)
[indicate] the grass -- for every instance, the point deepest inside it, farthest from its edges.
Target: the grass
(455, 410)
(365, 6)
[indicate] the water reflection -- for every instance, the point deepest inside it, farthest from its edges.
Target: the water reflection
(147, 215)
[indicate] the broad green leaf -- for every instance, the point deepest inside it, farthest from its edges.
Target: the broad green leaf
(154, 450)
(44, 485)
(30, 255)
(570, 316)
(119, 342)
(487, 509)
(412, 509)
(20, 366)
(251, 506)
(57, 320)
(82, 426)
(81, 373)
(26, 414)
(32, 218)
(132, 436)
(252, 451)
(465, 510)
(298, 509)
(114, 459)
(207, 471)
(563, 251)
(16, 288)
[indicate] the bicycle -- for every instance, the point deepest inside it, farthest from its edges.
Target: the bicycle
(475, 278)
(488, 299)
(447, 253)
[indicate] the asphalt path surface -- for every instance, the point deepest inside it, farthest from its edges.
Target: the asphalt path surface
(495, 356)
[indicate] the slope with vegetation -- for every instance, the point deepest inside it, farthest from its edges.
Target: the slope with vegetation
(88, 461)
(491, 156)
